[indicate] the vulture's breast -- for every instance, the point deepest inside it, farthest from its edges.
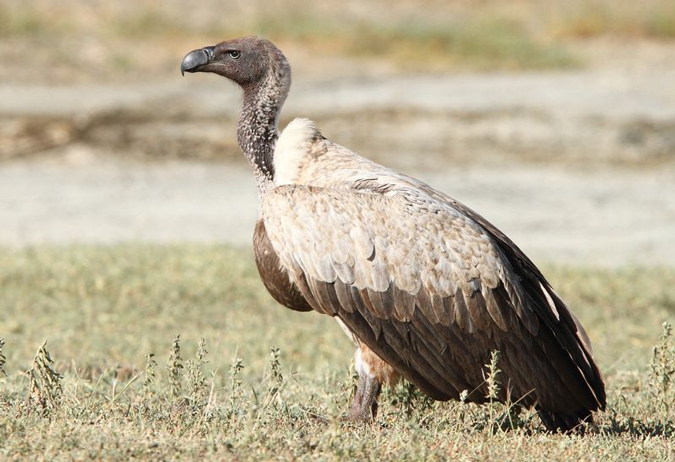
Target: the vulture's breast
(274, 277)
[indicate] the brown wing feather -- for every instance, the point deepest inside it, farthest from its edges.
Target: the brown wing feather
(273, 276)
(398, 299)
(528, 272)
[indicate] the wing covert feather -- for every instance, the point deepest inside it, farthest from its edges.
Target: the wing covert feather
(429, 290)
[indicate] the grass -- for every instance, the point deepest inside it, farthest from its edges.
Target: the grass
(21, 22)
(479, 41)
(647, 19)
(178, 352)
(137, 40)
(485, 40)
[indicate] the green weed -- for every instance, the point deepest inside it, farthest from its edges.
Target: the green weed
(3, 358)
(195, 377)
(44, 387)
(174, 367)
(150, 375)
(662, 374)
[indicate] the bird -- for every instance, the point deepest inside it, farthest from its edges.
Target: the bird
(425, 287)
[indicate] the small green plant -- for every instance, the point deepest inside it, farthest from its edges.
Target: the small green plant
(410, 399)
(492, 379)
(275, 368)
(493, 387)
(274, 376)
(504, 415)
(235, 383)
(150, 374)
(463, 414)
(195, 376)
(44, 389)
(3, 358)
(174, 367)
(662, 372)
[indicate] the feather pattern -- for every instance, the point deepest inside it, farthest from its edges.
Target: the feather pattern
(429, 285)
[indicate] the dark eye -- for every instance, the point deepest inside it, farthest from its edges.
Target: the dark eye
(234, 54)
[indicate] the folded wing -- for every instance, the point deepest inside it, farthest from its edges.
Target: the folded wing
(432, 292)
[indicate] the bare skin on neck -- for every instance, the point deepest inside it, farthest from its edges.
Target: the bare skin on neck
(257, 130)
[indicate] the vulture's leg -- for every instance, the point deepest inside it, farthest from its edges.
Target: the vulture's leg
(373, 373)
(364, 407)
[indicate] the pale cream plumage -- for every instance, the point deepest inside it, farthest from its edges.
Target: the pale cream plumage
(348, 224)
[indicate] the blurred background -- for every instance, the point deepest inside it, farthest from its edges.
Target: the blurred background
(555, 120)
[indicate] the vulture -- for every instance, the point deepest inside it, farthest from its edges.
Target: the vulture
(425, 287)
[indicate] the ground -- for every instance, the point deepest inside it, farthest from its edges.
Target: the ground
(105, 309)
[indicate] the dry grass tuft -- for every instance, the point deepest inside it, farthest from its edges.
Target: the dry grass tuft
(44, 388)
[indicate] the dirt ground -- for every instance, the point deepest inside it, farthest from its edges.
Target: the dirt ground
(556, 215)
(576, 166)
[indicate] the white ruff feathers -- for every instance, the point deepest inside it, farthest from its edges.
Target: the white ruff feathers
(360, 365)
(293, 150)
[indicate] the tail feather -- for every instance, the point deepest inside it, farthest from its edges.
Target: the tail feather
(557, 422)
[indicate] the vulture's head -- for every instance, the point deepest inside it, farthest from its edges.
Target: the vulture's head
(246, 61)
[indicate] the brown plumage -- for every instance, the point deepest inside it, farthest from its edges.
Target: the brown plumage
(426, 287)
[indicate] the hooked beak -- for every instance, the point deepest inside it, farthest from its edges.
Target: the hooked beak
(196, 59)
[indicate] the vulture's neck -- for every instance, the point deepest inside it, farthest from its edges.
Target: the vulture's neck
(257, 130)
